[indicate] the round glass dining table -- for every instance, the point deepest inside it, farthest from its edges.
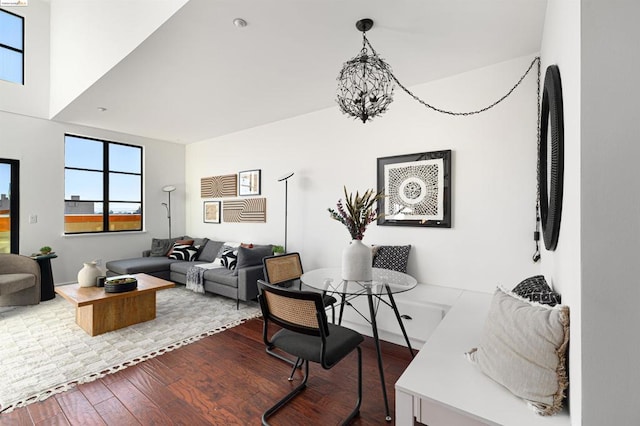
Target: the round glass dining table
(384, 282)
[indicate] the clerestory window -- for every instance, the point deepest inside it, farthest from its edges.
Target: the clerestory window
(11, 47)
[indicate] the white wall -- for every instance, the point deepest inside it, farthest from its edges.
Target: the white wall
(561, 46)
(610, 212)
(80, 28)
(39, 145)
(32, 98)
(494, 178)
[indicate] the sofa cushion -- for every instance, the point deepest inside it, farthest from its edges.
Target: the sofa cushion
(210, 251)
(252, 256)
(183, 267)
(161, 246)
(183, 252)
(523, 347)
(222, 276)
(140, 265)
(230, 258)
(11, 283)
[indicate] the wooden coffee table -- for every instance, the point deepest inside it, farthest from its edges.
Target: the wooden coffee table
(98, 312)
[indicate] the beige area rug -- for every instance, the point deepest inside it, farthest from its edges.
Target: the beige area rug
(44, 352)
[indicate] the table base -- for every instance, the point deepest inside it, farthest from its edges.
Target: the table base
(113, 314)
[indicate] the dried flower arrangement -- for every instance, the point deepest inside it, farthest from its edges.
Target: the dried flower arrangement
(357, 212)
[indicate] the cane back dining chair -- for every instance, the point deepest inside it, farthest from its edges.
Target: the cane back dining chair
(306, 334)
(286, 270)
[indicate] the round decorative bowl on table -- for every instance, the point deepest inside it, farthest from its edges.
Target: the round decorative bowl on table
(120, 284)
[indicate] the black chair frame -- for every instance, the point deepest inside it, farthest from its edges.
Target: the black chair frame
(321, 332)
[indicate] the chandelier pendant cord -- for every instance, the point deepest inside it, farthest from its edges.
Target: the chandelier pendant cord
(536, 232)
(535, 61)
(466, 113)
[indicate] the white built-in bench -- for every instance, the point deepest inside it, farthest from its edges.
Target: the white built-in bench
(441, 388)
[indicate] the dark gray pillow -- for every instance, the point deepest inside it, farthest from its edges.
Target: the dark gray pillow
(536, 289)
(252, 256)
(391, 257)
(210, 251)
(161, 246)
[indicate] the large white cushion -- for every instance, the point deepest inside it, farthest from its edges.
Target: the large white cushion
(523, 347)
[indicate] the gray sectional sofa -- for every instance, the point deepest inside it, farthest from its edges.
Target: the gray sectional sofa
(239, 283)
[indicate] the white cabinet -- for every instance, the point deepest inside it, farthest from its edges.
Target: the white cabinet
(422, 310)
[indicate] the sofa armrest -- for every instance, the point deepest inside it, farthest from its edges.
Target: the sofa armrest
(248, 282)
(146, 253)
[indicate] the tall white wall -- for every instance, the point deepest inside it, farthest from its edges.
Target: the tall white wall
(610, 212)
(561, 46)
(494, 178)
(39, 145)
(82, 28)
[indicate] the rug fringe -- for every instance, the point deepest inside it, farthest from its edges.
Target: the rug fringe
(41, 396)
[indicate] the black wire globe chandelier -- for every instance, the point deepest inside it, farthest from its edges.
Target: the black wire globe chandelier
(365, 87)
(366, 83)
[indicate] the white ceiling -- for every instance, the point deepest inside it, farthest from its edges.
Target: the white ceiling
(198, 76)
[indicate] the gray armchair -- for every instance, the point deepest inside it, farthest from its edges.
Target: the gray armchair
(19, 280)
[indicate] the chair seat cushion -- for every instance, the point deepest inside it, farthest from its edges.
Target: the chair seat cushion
(11, 283)
(340, 342)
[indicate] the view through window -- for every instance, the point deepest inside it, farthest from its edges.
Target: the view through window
(9, 205)
(103, 186)
(11, 47)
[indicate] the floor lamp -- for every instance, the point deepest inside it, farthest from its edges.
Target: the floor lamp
(285, 178)
(168, 189)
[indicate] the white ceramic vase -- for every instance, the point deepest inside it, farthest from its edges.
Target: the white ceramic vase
(88, 274)
(356, 262)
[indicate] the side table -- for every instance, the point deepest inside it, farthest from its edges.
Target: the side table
(46, 275)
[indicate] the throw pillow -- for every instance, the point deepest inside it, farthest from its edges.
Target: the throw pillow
(182, 242)
(226, 247)
(536, 289)
(523, 347)
(183, 252)
(229, 259)
(391, 257)
(161, 246)
(251, 256)
(210, 251)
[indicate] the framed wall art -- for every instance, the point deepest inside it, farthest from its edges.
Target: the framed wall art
(417, 189)
(245, 210)
(249, 182)
(211, 212)
(219, 186)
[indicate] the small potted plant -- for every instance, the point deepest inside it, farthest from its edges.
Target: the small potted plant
(278, 250)
(45, 250)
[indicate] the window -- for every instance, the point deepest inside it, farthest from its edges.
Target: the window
(9, 205)
(11, 47)
(102, 186)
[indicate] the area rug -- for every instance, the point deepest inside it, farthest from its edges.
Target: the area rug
(44, 352)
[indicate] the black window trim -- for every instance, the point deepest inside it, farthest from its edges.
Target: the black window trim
(13, 48)
(14, 203)
(105, 184)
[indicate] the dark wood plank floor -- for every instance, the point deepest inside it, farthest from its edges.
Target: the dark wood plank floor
(224, 379)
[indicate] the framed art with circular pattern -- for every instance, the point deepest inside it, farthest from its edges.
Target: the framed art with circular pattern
(417, 189)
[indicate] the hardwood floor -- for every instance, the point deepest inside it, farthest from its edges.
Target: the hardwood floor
(224, 379)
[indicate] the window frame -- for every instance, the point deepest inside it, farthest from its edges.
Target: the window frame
(14, 203)
(20, 51)
(106, 201)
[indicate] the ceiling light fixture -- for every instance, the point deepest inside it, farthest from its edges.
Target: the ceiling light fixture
(366, 83)
(365, 87)
(239, 22)
(102, 109)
